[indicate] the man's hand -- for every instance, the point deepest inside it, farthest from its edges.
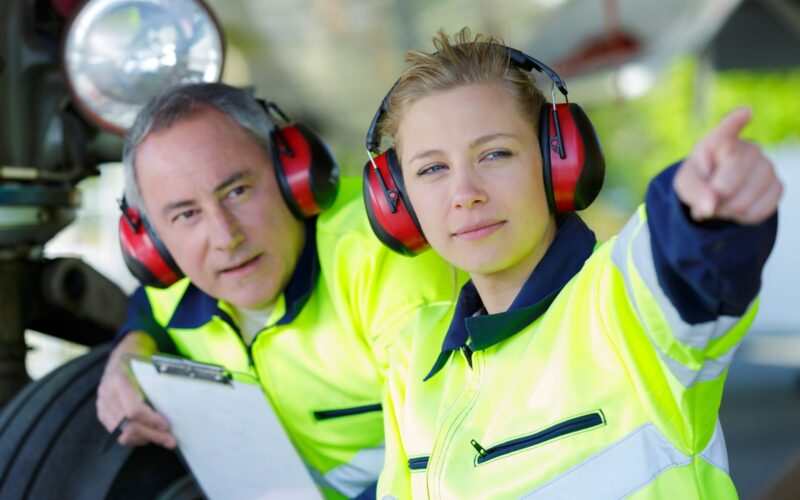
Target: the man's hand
(728, 178)
(118, 398)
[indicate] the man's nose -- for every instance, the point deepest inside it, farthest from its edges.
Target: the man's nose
(468, 189)
(224, 231)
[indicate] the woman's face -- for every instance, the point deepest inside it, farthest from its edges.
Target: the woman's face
(473, 172)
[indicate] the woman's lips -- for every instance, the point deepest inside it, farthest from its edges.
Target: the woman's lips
(478, 231)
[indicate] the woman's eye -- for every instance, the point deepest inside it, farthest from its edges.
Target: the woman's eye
(496, 155)
(431, 169)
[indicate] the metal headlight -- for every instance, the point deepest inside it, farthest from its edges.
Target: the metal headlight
(120, 53)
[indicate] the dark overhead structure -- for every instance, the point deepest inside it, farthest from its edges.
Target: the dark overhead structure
(761, 34)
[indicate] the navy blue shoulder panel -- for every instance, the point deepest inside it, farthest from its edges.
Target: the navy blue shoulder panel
(139, 317)
(304, 277)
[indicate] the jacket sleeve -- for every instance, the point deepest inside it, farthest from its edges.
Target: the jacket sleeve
(692, 289)
(139, 317)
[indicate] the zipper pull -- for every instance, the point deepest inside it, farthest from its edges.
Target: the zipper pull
(481, 451)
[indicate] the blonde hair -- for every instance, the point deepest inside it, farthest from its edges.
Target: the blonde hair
(460, 60)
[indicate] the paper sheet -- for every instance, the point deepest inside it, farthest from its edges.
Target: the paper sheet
(228, 434)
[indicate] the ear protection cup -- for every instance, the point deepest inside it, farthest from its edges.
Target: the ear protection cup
(145, 255)
(573, 180)
(390, 215)
(307, 172)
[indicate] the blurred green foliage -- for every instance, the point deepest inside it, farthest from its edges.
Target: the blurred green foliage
(642, 136)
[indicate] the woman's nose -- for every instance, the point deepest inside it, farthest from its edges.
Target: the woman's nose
(468, 190)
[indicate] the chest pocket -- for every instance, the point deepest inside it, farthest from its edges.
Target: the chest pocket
(569, 426)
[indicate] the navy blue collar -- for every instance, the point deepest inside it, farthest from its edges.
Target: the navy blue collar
(573, 244)
(196, 307)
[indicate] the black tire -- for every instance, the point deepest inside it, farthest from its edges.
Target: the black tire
(52, 445)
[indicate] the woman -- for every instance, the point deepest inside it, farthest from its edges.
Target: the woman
(567, 368)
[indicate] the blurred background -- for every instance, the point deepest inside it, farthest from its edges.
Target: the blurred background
(652, 75)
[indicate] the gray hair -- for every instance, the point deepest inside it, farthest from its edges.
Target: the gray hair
(181, 102)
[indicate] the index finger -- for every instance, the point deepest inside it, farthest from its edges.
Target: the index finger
(730, 126)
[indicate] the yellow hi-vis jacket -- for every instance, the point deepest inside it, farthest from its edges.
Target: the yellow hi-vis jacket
(322, 356)
(602, 380)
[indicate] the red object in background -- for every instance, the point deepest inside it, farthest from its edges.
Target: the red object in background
(613, 47)
(65, 8)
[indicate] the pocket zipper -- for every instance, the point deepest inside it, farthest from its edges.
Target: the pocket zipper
(570, 426)
(346, 412)
(418, 463)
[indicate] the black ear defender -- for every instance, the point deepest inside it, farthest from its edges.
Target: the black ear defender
(307, 174)
(572, 161)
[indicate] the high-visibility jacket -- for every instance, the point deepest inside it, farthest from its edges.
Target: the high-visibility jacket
(322, 355)
(602, 380)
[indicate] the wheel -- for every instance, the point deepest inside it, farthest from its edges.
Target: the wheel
(53, 446)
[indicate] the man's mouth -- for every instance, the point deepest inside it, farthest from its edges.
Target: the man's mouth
(241, 266)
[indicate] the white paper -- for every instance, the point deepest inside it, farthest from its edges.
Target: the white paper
(229, 436)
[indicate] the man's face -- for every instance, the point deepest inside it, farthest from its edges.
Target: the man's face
(213, 199)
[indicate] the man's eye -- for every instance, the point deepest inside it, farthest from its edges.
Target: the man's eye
(185, 215)
(236, 192)
(431, 169)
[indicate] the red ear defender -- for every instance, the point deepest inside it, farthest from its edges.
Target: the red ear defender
(307, 171)
(390, 215)
(572, 159)
(145, 255)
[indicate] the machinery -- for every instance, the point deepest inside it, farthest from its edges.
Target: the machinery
(71, 81)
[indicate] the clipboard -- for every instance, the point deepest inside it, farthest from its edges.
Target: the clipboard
(227, 432)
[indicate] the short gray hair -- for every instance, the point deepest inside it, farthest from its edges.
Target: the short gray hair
(181, 102)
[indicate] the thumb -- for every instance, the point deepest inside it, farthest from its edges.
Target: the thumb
(694, 191)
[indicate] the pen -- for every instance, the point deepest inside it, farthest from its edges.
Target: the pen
(115, 433)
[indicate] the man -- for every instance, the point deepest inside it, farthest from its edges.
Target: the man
(309, 306)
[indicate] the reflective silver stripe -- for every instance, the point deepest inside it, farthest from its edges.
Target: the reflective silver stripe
(716, 453)
(625, 467)
(636, 235)
(697, 336)
(352, 478)
(711, 369)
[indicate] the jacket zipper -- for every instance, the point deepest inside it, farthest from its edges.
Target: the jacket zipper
(570, 426)
(454, 418)
(346, 412)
